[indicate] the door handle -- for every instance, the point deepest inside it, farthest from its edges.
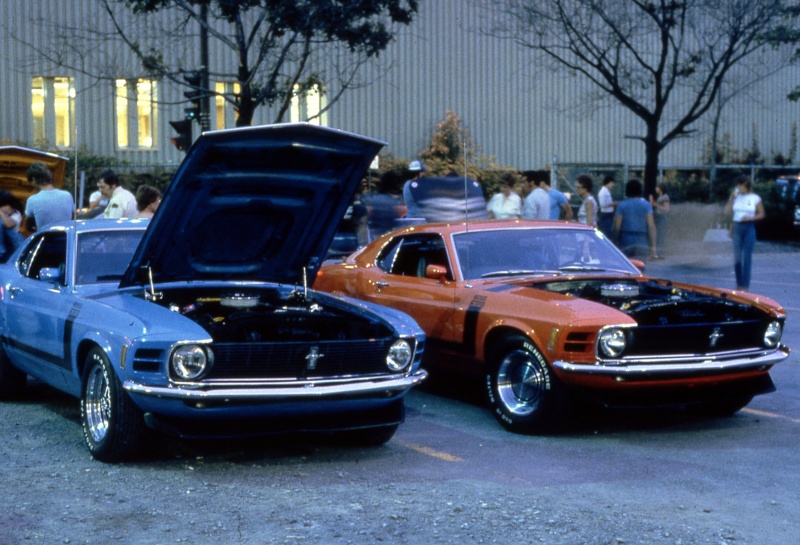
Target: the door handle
(14, 291)
(381, 284)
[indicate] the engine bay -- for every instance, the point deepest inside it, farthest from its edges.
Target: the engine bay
(654, 303)
(269, 315)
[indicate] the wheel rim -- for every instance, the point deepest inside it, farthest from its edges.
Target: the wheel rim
(522, 382)
(97, 404)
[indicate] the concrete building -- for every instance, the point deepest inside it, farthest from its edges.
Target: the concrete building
(519, 113)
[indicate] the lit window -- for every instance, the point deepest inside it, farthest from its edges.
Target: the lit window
(307, 106)
(53, 109)
(136, 113)
(226, 116)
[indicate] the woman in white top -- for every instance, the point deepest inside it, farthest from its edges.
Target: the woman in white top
(587, 213)
(505, 205)
(747, 209)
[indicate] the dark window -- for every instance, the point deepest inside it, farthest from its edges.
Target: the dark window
(410, 255)
(48, 251)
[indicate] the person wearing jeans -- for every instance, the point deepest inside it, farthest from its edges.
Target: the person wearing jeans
(746, 208)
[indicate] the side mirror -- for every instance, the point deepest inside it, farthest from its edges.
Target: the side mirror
(51, 274)
(436, 272)
(639, 264)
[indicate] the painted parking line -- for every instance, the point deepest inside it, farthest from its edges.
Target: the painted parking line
(422, 449)
(767, 414)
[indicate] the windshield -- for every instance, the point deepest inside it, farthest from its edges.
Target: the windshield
(103, 256)
(508, 252)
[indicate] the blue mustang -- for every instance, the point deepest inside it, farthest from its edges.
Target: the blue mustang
(200, 321)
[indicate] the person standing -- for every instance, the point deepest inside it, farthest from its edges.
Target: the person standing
(746, 208)
(49, 204)
(660, 212)
(536, 205)
(607, 204)
(633, 223)
(147, 200)
(558, 202)
(10, 222)
(588, 210)
(505, 205)
(412, 209)
(121, 202)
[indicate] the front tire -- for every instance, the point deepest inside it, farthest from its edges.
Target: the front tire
(525, 395)
(113, 426)
(12, 380)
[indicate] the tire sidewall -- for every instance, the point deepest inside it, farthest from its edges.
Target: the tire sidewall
(97, 358)
(543, 417)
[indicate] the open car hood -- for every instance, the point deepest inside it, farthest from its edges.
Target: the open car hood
(255, 203)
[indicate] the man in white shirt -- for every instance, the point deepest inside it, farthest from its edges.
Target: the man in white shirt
(537, 203)
(121, 202)
(605, 220)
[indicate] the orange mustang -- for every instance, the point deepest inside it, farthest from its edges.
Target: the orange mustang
(545, 310)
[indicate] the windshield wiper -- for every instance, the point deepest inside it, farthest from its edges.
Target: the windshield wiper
(518, 272)
(582, 268)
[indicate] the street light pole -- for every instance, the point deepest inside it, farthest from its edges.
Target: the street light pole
(205, 102)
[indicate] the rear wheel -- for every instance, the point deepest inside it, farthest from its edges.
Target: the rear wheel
(113, 426)
(525, 395)
(12, 380)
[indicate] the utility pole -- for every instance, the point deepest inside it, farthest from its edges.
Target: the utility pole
(205, 101)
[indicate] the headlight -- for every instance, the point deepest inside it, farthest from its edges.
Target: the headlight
(191, 361)
(612, 342)
(399, 356)
(772, 336)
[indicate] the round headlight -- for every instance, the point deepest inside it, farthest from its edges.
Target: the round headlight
(399, 356)
(612, 342)
(190, 361)
(772, 336)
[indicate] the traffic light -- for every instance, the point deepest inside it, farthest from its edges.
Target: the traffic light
(195, 95)
(184, 137)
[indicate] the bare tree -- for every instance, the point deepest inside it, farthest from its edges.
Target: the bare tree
(664, 60)
(278, 48)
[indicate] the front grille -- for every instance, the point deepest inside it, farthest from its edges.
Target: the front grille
(290, 360)
(694, 338)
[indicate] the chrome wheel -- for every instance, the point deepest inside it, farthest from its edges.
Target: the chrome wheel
(524, 393)
(113, 426)
(97, 404)
(522, 382)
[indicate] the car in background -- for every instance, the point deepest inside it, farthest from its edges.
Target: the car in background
(788, 187)
(200, 322)
(546, 313)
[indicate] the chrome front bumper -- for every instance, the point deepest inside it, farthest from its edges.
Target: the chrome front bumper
(643, 368)
(279, 390)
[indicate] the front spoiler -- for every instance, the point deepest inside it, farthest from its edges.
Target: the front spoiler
(281, 391)
(651, 369)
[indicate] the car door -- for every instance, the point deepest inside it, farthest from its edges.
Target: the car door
(400, 282)
(37, 307)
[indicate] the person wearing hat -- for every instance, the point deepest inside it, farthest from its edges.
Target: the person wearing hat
(416, 169)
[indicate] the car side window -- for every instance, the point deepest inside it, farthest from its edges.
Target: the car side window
(47, 251)
(410, 256)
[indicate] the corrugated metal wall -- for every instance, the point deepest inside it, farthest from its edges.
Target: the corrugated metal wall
(521, 114)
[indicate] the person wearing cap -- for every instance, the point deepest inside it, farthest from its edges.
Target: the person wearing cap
(416, 169)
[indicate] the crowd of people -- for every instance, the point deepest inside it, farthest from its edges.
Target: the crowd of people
(638, 225)
(49, 204)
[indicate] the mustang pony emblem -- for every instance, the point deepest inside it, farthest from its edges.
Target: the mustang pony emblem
(313, 357)
(715, 337)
